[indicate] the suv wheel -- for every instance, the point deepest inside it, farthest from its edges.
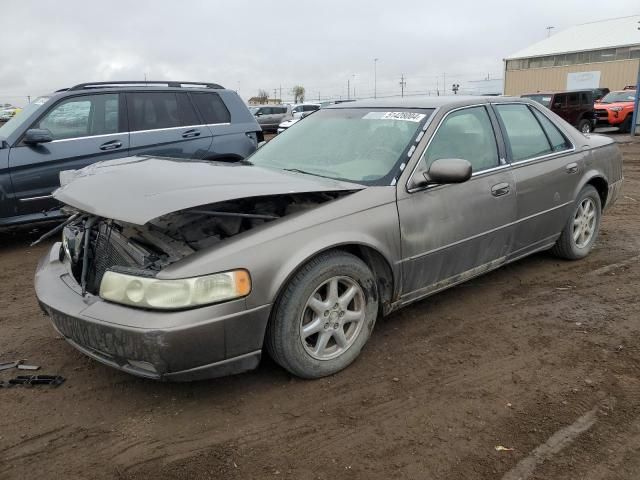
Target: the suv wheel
(324, 316)
(585, 126)
(625, 127)
(581, 230)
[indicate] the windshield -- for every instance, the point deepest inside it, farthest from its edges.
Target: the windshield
(615, 97)
(253, 110)
(542, 99)
(362, 145)
(17, 120)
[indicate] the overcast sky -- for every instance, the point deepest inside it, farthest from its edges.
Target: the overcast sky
(248, 45)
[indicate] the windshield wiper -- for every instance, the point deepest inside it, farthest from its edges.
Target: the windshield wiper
(297, 170)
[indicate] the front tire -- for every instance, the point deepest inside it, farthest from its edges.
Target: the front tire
(324, 316)
(625, 127)
(581, 229)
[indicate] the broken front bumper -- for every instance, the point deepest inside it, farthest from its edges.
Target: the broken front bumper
(186, 345)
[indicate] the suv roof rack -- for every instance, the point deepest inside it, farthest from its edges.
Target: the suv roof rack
(142, 83)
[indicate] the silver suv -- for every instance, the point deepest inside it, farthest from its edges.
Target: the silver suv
(270, 116)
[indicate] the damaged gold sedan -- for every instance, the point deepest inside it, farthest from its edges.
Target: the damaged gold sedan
(182, 270)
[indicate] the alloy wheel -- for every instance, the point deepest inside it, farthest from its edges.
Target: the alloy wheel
(584, 223)
(332, 318)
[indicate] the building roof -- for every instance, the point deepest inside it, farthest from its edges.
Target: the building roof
(614, 32)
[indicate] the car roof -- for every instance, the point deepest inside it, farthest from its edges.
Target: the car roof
(424, 101)
(585, 90)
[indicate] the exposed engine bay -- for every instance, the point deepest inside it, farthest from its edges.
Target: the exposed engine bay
(94, 244)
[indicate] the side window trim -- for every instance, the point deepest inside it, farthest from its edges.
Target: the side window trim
(19, 142)
(533, 159)
(498, 140)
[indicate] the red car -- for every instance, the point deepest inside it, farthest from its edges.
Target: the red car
(616, 109)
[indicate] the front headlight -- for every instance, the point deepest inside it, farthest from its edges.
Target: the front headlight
(174, 294)
(615, 109)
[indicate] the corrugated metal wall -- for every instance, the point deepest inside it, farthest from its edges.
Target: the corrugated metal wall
(614, 75)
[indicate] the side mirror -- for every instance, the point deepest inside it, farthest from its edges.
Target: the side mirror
(448, 170)
(33, 136)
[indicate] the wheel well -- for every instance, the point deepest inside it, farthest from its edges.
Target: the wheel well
(381, 270)
(600, 184)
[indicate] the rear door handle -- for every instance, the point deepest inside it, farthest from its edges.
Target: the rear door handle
(112, 145)
(572, 168)
(500, 189)
(191, 133)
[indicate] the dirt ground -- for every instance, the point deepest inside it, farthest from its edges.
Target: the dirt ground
(510, 359)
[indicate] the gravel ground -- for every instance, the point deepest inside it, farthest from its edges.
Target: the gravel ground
(541, 357)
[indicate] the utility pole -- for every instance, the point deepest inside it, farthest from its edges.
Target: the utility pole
(444, 84)
(375, 78)
(403, 84)
(437, 87)
(354, 87)
(348, 89)
(549, 28)
(28, 98)
(455, 87)
(275, 92)
(280, 93)
(318, 97)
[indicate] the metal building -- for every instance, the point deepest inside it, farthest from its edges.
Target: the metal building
(597, 54)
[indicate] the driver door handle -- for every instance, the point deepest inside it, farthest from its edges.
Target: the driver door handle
(500, 189)
(112, 145)
(191, 133)
(572, 168)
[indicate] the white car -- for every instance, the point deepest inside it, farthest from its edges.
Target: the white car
(287, 123)
(300, 110)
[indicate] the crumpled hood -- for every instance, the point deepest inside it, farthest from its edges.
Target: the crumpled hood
(139, 189)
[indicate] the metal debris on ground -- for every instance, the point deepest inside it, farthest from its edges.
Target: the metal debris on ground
(31, 380)
(19, 364)
(500, 448)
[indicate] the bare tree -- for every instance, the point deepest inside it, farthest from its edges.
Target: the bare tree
(298, 94)
(263, 96)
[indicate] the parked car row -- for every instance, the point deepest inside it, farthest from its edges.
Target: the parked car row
(587, 109)
(177, 269)
(8, 113)
(270, 117)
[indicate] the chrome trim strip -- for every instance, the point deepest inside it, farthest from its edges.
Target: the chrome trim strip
(178, 128)
(473, 237)
(140, 131)
(33, 199)
(88, 137)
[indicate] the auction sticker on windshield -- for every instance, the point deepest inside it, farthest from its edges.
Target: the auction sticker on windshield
(406, 116)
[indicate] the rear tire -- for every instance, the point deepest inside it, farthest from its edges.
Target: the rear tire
(585, 126)
(324, 316)
(581, 230)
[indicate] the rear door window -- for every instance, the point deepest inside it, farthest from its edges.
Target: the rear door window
(559, 101)
(310, 108)
(83, 116)
(525, 135)
(573, 100)
(211, 107)
(156, 110)
(558, 141)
